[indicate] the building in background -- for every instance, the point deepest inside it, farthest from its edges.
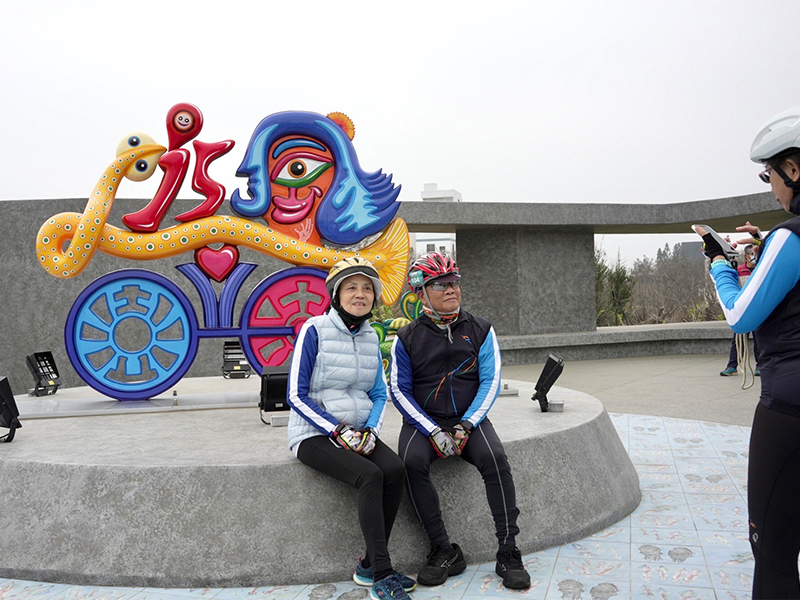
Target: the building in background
(438, 242)
(432, 193)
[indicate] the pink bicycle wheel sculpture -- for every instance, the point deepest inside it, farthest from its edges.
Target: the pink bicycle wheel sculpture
(275, 312)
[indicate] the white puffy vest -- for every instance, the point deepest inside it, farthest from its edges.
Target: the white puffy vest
(344, 372)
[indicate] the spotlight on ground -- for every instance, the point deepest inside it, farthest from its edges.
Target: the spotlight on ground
(551, 371)
(234, 363)
(9, 415)
(42, 366)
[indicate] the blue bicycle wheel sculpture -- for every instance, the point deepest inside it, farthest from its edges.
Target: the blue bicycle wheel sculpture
(131, 334)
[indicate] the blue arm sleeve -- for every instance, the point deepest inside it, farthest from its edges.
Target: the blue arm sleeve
(777, 272)
(303, 361)
(489, 373)
(402, 390)
(378, 395)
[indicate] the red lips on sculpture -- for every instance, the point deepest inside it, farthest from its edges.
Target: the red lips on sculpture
(217, 264)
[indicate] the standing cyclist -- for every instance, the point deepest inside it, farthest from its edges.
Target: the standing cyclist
(769, 304)
(445, 378)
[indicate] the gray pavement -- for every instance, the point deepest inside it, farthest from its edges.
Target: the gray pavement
(686, 386)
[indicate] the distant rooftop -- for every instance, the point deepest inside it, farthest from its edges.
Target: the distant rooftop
(432, 193)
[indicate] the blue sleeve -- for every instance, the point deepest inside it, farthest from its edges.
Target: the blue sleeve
(489, 374)
(402, 389)
(378, 395)
(777, 272)
(303, 361)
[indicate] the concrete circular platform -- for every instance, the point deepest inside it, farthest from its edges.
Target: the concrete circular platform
(215, 498)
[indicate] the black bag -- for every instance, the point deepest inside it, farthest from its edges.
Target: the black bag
(9, 415)
(274, 383)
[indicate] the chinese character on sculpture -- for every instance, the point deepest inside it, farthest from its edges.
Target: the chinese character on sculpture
(132, 334)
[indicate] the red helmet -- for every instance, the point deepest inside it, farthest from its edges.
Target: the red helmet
(432, 266)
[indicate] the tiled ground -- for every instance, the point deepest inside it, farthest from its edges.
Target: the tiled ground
(686, 541)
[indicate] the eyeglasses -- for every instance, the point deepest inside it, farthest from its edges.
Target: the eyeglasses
(439, 286)
(764, 175)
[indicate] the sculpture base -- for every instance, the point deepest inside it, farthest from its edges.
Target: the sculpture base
(215, 498)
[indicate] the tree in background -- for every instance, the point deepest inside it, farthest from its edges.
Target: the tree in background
(672, 289)
(613, 289)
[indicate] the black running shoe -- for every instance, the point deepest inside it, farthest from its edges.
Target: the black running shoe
(510, 568)
(442, 562)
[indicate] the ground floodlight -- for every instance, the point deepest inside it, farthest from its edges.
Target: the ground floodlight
(551, 371)
(9, 415)
(234, 363)
(274, 382)
(42, 366)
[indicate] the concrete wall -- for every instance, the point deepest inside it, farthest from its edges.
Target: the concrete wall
(529, 280)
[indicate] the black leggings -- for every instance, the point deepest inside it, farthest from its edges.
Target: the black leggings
(378, 478)
(773, 498)
(485, 452)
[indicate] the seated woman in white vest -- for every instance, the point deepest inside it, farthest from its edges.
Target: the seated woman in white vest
(338, 393)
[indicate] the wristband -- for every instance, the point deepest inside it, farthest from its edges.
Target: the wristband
(719, 261)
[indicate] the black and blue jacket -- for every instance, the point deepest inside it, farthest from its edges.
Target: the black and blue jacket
(434, 379)
(769, 305)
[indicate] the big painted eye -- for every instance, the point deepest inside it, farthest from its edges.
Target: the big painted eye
(299, 172)
(131, 141)
(143, 167)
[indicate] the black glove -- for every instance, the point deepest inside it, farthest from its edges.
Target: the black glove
(711, 247)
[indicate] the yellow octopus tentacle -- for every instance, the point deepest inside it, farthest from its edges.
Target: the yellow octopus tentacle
(83, 230)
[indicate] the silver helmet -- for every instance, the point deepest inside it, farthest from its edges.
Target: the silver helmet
(779, 134)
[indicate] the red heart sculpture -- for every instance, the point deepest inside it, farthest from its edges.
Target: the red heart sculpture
(217, 264)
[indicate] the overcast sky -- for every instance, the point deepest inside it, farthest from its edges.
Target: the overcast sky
(583, 101)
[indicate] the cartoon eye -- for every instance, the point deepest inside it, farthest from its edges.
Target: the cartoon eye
(133, 140)
(299, 172)
(143, 167)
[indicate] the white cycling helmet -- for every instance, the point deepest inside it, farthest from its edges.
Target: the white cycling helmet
(353, 265)
(779, 134)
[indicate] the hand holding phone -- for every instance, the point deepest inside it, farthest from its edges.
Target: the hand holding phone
(724, 246)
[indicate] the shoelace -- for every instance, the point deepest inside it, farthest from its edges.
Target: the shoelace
(395, 589)
(512, 559)
(437, 555)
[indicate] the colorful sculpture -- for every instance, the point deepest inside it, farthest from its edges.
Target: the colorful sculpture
(411, 308)
(133, 334)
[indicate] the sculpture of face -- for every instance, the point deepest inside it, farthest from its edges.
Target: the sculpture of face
(300, 171)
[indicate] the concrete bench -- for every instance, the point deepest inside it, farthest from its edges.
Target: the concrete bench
(215, 498)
